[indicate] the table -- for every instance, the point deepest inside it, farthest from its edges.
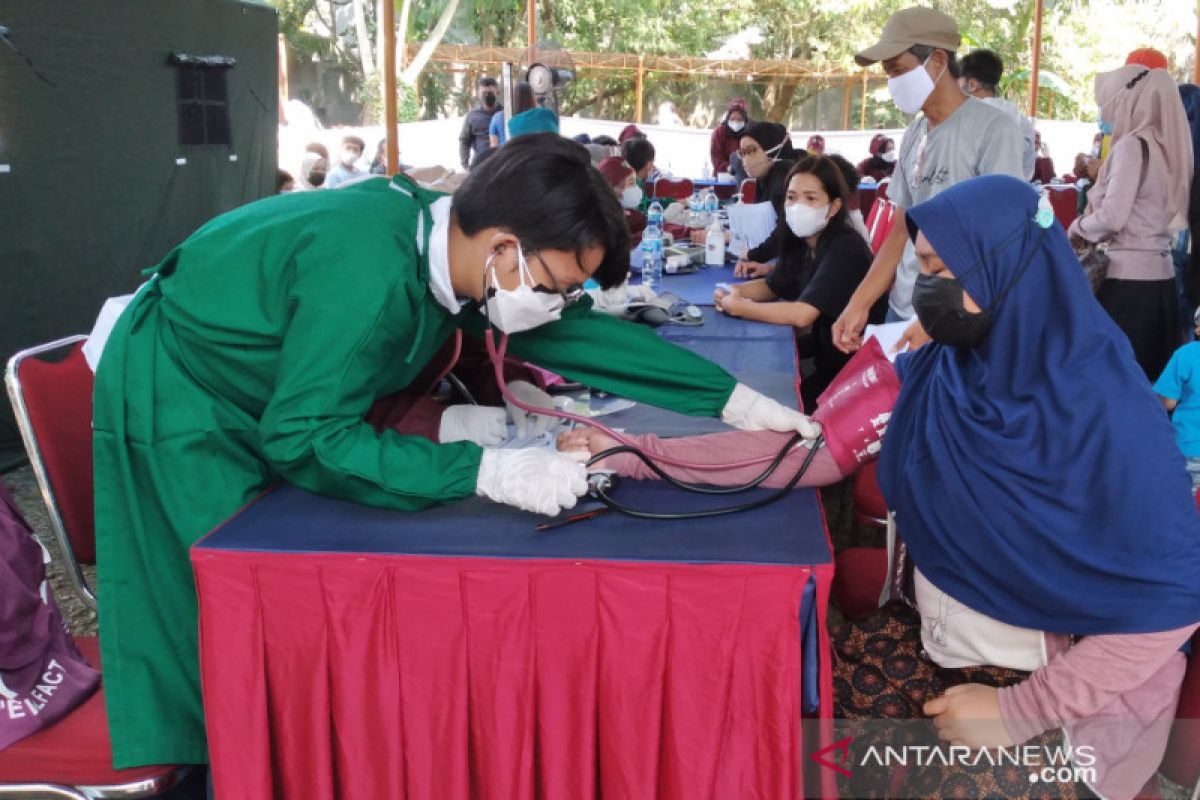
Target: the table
(357, 652)
(723, 189)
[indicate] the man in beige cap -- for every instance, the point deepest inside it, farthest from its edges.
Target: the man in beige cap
(955, 138)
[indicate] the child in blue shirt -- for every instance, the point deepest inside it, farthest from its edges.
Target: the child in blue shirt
(1179, 389)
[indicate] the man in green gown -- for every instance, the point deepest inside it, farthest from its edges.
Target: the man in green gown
(253, 354)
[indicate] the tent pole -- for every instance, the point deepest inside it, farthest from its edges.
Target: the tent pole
(862, 111)
(1037, 59)
(1196, 62)
(389, 86)
(639, 90)
(846, 104)
(283, 79)
(532, 26)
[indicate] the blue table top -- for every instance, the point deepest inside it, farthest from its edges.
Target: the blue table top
(290, 520)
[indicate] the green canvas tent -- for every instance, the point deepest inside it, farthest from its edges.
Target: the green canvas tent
(124, 126)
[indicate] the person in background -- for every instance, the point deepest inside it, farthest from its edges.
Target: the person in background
(1043, 166)
(347, 166)
(850, 174)
(1189, 93)
(1079, 171)
(1148, 57)
(768, 155)
(821, 260)
(313, 169)
(319, 149)
(284, 182)
(607, 141)
(725, 137)
(630, 131)
(957, 137)
(638, 153)
(379, 162)
(535, 120)
(1179, 389)
(981, 71)
(523, 100)
(882, 161)
(623, 180)
(816, 145)
(1140, 196)
(473, 138)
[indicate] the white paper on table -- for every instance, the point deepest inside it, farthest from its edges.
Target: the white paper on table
(888, 334)
(751, 223)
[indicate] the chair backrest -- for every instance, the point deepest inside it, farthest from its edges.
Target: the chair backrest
(873, 216)
(749, 191)
(883, 225)
(881, 191)
(675, 188)
(52, 401)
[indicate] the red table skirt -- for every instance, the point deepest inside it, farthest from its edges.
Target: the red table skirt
(412, 677)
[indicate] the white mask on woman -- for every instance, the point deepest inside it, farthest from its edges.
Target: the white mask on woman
(912, 89)
(736, 125)
(520, 309)
(805, 220)
(889, 156)
(631, 197)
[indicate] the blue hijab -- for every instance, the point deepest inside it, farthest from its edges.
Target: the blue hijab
(1189, 93)
(1035, 478)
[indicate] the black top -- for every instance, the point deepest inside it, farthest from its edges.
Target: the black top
(474, 136)
(825, 279)
(772, 188)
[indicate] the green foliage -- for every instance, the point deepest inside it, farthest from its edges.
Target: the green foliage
(1080, 38)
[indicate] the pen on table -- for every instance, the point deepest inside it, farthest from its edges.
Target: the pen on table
(558, 522)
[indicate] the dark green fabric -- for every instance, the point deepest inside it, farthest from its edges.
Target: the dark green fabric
(94, 194)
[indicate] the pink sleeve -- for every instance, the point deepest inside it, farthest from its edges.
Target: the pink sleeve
(722, 448)
(1079, 682)
(1109, 216)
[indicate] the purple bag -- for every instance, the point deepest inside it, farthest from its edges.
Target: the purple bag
(42, 675)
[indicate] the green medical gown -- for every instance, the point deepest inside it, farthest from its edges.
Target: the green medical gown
(250, 358)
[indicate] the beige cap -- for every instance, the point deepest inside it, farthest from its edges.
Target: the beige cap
(908, 27)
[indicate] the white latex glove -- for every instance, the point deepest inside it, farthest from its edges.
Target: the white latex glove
(749, 410)
(483, 425)
(532, 479)
(530, 424)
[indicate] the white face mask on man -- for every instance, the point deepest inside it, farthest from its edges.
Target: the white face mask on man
(631, 197)
(349, 157)
(910, 90)
(805, 220)
(520, 309)
(889, 156)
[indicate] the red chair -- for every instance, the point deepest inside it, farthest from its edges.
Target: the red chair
(878, 207)
(882, 189)
(52, 401)
(883, 225)
(859, 574)
(674, 188)
(749, 191)
(869, 506)
(1065, 203)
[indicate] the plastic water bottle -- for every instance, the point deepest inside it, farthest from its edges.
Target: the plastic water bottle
(652, 253)
(654, 215)
(714, 245)
(695, 210)
(711, 203)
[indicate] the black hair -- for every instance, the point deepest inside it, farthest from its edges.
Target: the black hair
(637, 152)
(523, 98)
(582, 138)
(318, 148)
(984, 67)
(485, 81)
(849, 172)
(354, 140)
(543, 189)
(924, 51)
(605, 140)
(282, 178)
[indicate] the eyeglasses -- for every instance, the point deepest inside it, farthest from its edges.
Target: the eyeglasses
(572, 294)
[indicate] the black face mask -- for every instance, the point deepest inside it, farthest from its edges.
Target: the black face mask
(939, 306)
(489, 99)
(316, 178)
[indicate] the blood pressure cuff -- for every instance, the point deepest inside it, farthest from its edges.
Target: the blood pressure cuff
(854, 410)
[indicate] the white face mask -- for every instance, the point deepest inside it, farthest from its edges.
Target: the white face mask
(889, 156)
(349, 157)
(805, 220)
(520, 309)
(736, 125)
(912, 89)
(631, 197)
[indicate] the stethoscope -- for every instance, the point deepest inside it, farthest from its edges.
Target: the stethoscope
(601, 484)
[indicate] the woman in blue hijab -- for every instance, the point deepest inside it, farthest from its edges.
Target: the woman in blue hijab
(1047, 543)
